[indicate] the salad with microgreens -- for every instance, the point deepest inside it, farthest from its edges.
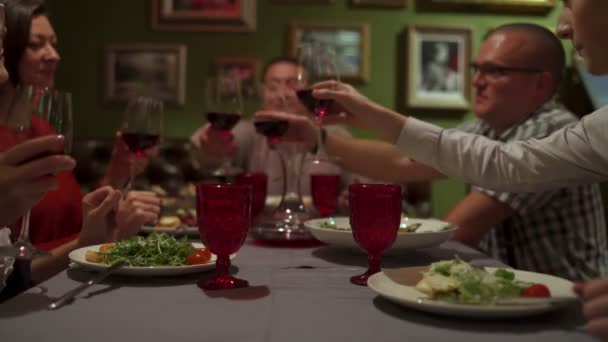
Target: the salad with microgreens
(457, 281)
(157, 249)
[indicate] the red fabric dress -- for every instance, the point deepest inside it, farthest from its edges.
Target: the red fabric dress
(57, 218)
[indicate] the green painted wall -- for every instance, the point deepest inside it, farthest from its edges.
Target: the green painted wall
(84, 27)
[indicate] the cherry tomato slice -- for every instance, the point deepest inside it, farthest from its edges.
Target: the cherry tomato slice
(200, 256)
(537, 290)
(106, 247)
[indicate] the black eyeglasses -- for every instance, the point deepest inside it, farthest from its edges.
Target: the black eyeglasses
(500, 70)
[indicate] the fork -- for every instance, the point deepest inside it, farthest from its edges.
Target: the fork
(69, 296)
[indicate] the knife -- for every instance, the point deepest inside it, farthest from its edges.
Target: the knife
(69, 296)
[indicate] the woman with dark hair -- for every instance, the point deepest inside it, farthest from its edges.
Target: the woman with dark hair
(25, 180)
(56, 221)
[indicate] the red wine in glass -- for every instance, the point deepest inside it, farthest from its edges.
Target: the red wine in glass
(139, 142)
(324, 191)
(318, 107)
(375, 215)
(223, 121)
(224, 217)
(259, 188)
(272, 129)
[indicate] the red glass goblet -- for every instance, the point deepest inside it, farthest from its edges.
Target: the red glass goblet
(324, 191)
(259, 187)
(224, 216)
(375, 214)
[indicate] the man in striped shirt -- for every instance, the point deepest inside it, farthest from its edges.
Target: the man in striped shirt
(560, 232)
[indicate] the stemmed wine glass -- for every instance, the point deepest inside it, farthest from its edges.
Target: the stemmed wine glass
(224, 110)
(224, 216)
(36, 112)
(317, 63)
(141, 129)
(274, 130)
(284, 222)
(375, 215)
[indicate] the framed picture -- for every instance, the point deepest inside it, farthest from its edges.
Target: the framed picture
(350, 41)
(379, 3)
(303, 1)
(204, 15)
(246, 69)
(496, 6)
(144, 69)
(438, 67)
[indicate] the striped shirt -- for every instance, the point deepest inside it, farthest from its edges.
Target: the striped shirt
(560, 232)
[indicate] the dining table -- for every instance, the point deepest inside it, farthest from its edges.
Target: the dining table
(296, 293)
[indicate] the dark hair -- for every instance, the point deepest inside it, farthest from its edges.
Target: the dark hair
(19, 14)
(548, 53)
(278, 60)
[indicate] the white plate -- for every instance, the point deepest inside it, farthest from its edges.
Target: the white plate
(429, 234)
(185, 230)
(78, 257)
(271, 201)
(408, 297)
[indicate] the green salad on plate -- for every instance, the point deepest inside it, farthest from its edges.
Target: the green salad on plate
(456, 281)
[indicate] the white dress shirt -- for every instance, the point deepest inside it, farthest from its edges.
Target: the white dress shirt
(575, 155)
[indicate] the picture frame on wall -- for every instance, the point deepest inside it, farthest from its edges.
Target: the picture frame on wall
(380, 3)
(494, 6)
(438, 60)
(303, 1)
(350, 42)
(156, 70)
(204, 16)
(246, 69)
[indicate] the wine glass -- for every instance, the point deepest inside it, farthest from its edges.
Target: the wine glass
(36, 112)
(324, 191)
(142, 129)
(224, 110)
(274, 130)
(317, 63)
(375, 215)
(259, 188)
(224, 216)
(284, 222)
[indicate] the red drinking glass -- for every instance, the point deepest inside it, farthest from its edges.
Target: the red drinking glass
(224, 216)
(259, 187)
(324, 191)
(375, 215)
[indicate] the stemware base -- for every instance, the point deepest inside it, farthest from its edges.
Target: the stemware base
(222, 283)
(361, 279)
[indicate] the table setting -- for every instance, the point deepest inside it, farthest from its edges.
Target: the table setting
(249, 291)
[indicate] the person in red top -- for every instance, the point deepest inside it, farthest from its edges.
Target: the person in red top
(31, 57)
(56, 222)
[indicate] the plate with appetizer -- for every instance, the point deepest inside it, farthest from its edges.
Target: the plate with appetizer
(413, 233)
(178, 216)
(180, 222)
(456, 288)
(158, 254)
